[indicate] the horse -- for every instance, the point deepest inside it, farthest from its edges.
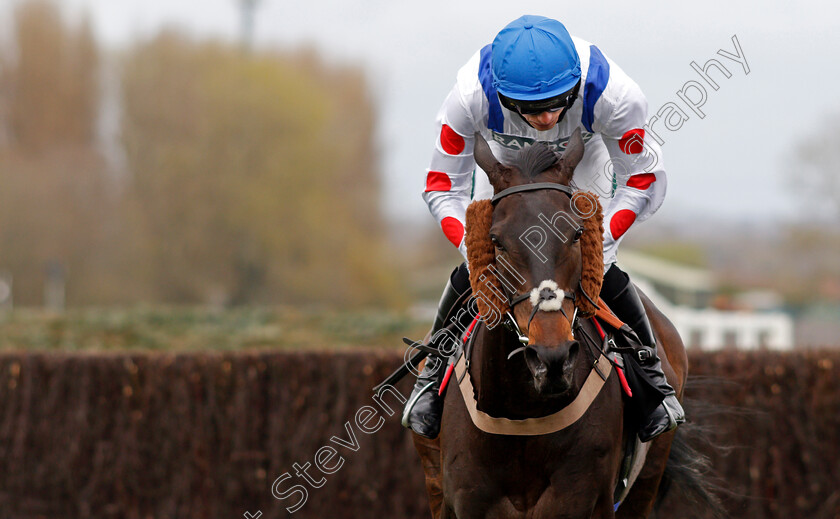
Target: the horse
(538, 370)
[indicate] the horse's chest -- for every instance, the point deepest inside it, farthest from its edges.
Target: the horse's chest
(574, 501)
(530, 480)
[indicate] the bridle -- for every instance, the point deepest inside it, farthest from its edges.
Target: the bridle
(591, 386)
(543, 293)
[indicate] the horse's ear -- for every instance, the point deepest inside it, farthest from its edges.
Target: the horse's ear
(572, 156)
(498, 173)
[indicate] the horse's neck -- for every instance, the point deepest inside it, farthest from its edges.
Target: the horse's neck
(505, 387)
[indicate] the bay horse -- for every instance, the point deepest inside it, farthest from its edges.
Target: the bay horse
(571, 473)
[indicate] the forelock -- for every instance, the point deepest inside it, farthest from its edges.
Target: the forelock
(535, 159)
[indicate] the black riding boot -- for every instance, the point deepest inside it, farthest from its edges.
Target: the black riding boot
(424, 407)
(621, 296)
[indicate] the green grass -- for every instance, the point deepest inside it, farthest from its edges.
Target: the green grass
(685, 253)
(189, 329)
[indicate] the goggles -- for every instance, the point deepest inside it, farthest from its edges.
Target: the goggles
(552, 104)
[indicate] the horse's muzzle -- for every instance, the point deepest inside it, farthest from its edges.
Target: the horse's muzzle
(552, 368)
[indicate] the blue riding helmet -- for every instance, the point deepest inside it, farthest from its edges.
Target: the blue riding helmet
(533, 58)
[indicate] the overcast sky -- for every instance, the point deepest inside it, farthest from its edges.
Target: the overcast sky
(733, 163)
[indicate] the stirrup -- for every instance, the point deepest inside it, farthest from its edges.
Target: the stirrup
(673, 416)
(410, 404)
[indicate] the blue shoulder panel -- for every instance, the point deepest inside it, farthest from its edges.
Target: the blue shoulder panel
(596, 81)
(496, 119)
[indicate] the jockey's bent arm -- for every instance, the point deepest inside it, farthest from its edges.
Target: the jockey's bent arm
(449, 178)
(636, 160)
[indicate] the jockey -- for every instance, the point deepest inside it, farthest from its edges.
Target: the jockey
(535, 82)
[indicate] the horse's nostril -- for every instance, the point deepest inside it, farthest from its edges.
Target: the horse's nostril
(531, 357)
(569, 363)
(536, 365)
(552, 367)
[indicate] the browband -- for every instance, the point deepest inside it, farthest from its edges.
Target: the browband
(531, 187)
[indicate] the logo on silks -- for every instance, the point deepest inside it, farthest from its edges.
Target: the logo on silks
(515, 142)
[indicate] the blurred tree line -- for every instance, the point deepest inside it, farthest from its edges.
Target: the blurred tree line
(249, 178)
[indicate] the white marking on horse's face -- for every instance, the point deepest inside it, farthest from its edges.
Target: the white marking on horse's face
(547, 305)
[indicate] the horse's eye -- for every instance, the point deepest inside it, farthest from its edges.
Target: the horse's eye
(495, 242)
(578, 234)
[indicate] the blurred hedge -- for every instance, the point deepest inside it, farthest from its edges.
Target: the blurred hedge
(775, 418)
(140, 435)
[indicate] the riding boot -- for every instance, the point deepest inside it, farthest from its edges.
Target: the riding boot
(621, 296)
(424, 407)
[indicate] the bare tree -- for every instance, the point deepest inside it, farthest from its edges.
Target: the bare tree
(815, 171)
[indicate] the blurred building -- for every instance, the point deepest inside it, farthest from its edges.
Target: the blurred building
(686, 296)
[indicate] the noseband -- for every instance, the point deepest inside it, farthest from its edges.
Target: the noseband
(547, 292)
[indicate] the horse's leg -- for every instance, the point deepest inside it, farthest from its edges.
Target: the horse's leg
(640, 500)
(446, 512)
(604, 507)
(429, 451)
